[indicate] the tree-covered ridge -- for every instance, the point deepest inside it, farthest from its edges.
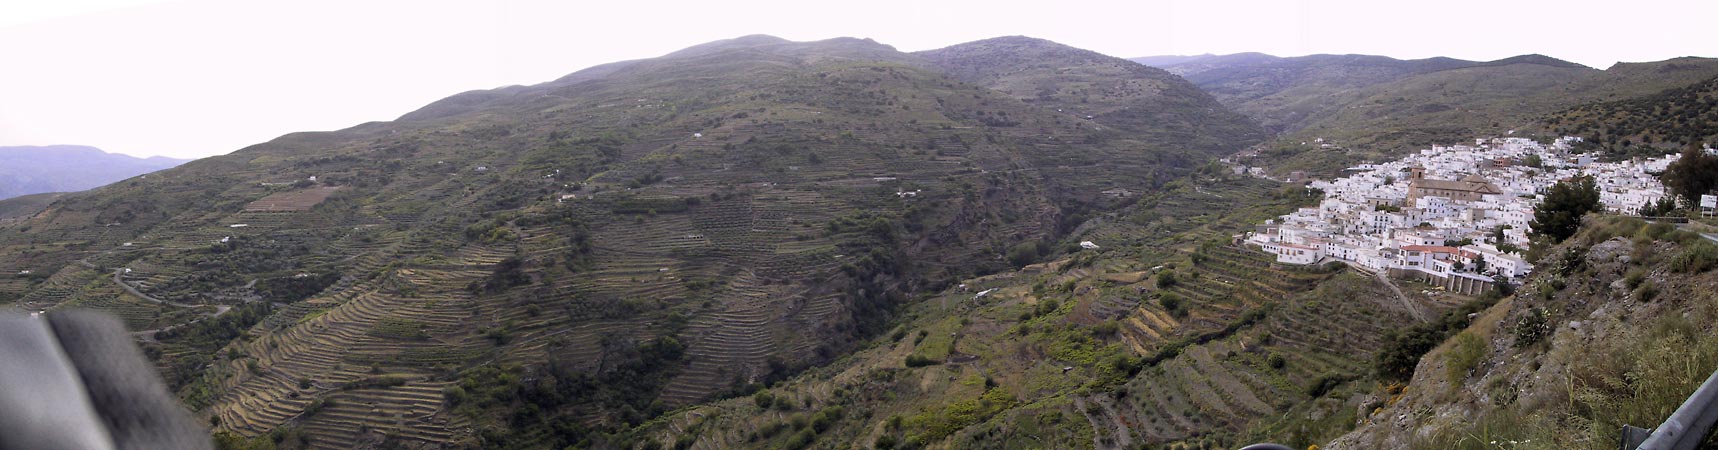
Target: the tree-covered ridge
(1670, 119)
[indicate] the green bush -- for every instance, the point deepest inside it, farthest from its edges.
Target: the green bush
(1464, 356)
(763, 399)
(1173, 304)
(1695, 258)
(1634, 277)
(801, 440)
(1402, 349)
(455, 394)
(1532, 327)
(1646, 292)
(1324, 384)
(920, 361)
(1026, 253)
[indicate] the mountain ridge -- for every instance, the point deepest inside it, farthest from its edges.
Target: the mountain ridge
(1078, 82)
(637, 236)
(755, 242)
(26, 170)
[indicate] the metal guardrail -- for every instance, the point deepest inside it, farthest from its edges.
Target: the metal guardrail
(1685, 429)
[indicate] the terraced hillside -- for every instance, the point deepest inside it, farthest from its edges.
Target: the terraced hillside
(547, 265)
(1285, 94)
(1087, 86)
(1165, 336)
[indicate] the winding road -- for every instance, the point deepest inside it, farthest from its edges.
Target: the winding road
(149, 335)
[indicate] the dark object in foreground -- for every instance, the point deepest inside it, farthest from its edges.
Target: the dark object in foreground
(75, 380)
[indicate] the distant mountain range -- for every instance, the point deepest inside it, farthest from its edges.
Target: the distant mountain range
(760, 243)
(1383, 105)
(68, 168)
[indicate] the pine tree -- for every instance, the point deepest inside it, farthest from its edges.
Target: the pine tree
(1695, 174)
(1559, 216)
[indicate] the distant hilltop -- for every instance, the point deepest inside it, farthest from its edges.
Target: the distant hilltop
(26, 170)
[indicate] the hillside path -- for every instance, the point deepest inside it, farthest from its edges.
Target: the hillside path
(133, 291)
(1413, 310)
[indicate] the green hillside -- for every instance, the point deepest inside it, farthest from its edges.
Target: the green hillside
(1085, 86)
(1451, 106)
(1286, 94)
(1659, 123)
(1165, 337)
(629, 239)
(27, 205)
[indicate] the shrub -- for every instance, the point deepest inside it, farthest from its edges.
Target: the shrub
(1635, 277)
(455, 394)
(920, 361)
(1106, 329)
(769, 430)
(1166, 280)
(1173, 304)
(1646, 292)
(1026, 253)
(801, 440)
(1047, 306)
(1695, 258)
(1532, 327)
(824, 419)
(1464, 356)
(1324, 384)
(1402, 349)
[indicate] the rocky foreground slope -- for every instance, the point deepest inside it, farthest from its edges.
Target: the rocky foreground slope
(1617, 328)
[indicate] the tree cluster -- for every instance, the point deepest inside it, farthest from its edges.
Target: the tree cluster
(1692, 176)
(1559, 216)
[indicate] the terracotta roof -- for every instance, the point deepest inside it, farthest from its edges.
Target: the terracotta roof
(1429, 248)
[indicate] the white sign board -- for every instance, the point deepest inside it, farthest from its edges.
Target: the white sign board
(1708, 201)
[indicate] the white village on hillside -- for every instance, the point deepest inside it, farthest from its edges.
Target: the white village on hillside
(1453, 216)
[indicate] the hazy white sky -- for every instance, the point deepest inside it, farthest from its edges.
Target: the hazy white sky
(196, 78)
